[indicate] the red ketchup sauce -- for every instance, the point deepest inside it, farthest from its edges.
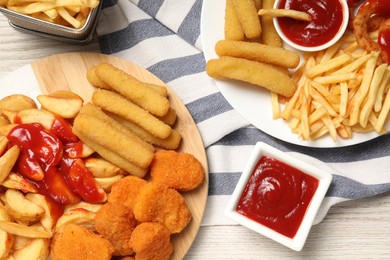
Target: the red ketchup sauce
(277, 196)
(44, 161)
(326, 20)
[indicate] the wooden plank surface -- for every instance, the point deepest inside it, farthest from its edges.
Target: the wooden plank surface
(68, 72)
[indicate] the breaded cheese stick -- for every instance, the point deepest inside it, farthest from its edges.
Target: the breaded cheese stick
(257, 73)
(169, 118)
(247, 14)
(269, 35)
(95, 80)
(133, 89)
(172, 142)
(258, 52)
(119, 105)
(107, 136)
(232, 29)
(113, 157)
(92, 110)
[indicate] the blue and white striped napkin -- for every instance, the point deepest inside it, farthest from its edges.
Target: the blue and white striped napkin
(164, 37)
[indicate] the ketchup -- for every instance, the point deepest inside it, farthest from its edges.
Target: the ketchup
(326, 19)
(45, 162)
(384, 41)
(277, 196)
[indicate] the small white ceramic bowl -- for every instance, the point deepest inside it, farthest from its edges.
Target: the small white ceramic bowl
(324, 178)
(338, 35)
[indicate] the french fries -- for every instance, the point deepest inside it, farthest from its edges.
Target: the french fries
(71, 13)
(297, 15)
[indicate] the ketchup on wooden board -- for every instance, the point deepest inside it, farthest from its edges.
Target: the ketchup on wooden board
(277, 195)
(326, 20)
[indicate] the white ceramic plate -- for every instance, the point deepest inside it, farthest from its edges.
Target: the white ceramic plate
(254, 104)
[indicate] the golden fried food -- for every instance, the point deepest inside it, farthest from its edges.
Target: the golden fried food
(17, 102)
(169, 118)
(95, 80)
(158, 203)
(76, 242)
(232, 27)
(171, 142)
(133, 89)
(258, 52)
(119, 105)
(269, 36)
(126, 190)
(247, 14)
(115, 222)
(116, 141)
(179, 171)
(112, 157)
(253, 72)
(151, 241)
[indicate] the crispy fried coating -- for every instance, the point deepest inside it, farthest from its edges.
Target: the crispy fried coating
(158, 203)
(150, 241)
(126, 190)
(115, 222)
(232, 27)
(180, 171)
(76, 242)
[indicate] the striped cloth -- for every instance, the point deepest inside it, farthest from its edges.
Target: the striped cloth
(164, 37)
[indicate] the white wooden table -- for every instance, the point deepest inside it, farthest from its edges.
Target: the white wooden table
(351, 230)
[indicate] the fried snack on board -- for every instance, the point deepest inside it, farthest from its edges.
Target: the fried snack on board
(119, 105)
(179, 171)
(158, 203)
(259, 74)
(17, 102)
(151, 241)
(247, 14)
(232, 26)
(133, 89)
(126, 191)
(109, 137)
(76, 242)
(115, 222)
(258, 52)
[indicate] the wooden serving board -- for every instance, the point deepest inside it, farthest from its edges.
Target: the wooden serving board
(68, 72)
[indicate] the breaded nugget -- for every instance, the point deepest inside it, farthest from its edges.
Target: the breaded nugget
(76, 242)
(158, 203)
(257, 73)
(126, 190)
(258, 52)
(115, 222)
(151, 241)
(180, 171)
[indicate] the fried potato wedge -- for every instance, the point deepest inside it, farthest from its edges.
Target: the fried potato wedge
(6, 239)
(17, 103)
(66, 106)
(41, 116)
(38, 248)
(101, 168)
(47, 221)
(14, 181)
(7, 162)
(20, 208)
(106, 183)
(23, 230)
(79, 216)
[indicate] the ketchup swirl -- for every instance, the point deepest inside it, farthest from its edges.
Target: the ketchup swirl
(277, 196)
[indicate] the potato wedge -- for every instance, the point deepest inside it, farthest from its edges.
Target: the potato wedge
(20, 208)
(62, 105)
(6, 239)
(41, 116)
(10, 115)
(47, 221)
(77, 216)
(83, 205)
(7, 162)
(38, 248)
(101, 168)
(17, 102)
(3, 144)
(5, 129)
(14, 181)
(23, 230)
(106, 183)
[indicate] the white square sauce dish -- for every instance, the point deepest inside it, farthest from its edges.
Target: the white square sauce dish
(278, 196)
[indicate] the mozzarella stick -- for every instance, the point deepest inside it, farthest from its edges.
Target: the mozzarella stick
(119, 105)
(107, 136)
(95, 80)
(169, 118)
(258, 52)
(92, 110)
(247, 14)
(253, 72)
(113, 157)
(133, 89)
(232, 29)
(269, 35)
(172, 142)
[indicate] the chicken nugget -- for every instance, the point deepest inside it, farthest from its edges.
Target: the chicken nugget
(76, 242)
(126, 190)
(115, 222)
(179, 171)
(150, 241)
(159, 203)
